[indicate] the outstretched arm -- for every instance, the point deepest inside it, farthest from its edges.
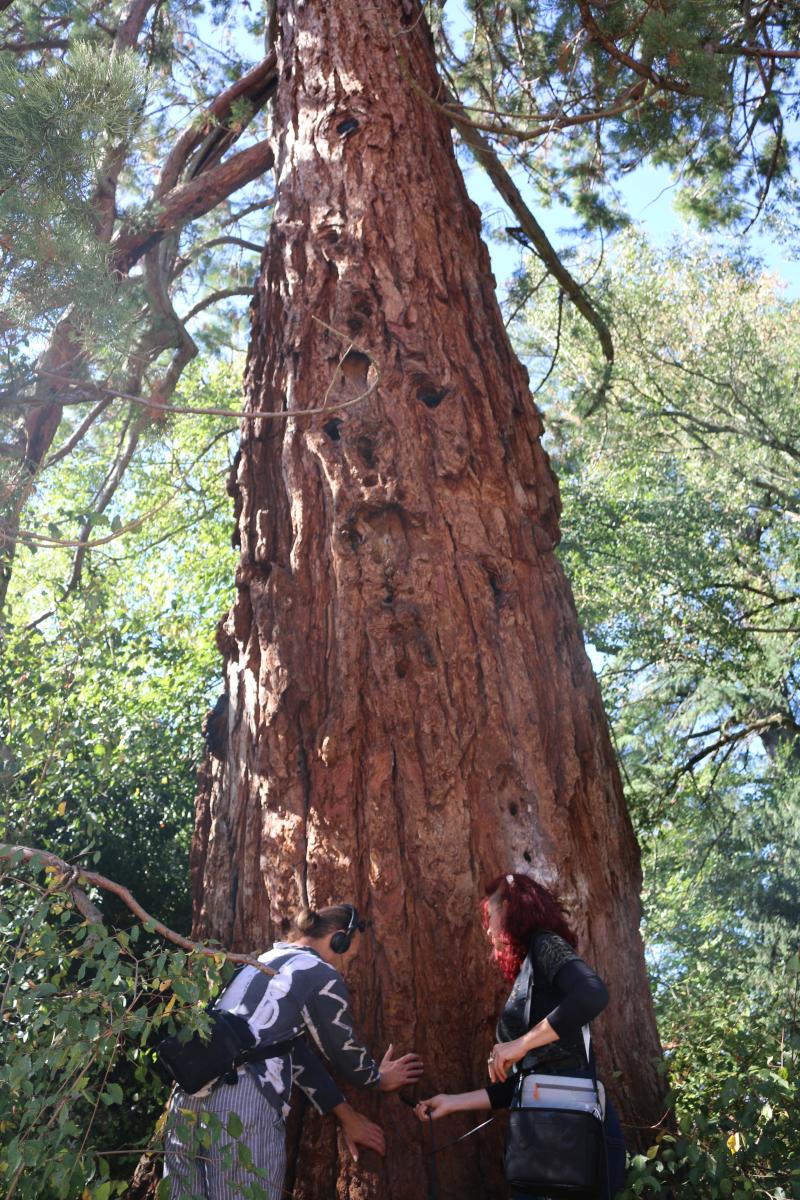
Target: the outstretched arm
(329, 1020)
(443, 1105)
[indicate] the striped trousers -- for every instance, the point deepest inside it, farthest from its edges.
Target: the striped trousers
(203, 1161)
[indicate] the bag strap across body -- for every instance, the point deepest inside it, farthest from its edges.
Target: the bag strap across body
(585, 1030)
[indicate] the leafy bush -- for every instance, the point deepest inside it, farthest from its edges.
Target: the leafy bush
(82, 1007)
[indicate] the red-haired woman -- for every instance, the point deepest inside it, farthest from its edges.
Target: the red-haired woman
(528, 930)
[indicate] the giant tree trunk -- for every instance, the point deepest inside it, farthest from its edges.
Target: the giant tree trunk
(411, 706)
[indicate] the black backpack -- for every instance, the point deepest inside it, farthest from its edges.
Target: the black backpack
(197, 1061)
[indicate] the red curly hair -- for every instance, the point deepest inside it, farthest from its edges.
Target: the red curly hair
(525, 907)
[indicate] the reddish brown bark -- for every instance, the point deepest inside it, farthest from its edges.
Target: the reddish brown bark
(190, 201)
(411, 706)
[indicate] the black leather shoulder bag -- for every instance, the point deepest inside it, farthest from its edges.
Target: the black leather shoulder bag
(555, 1145)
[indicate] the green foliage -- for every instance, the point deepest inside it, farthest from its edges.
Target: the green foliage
(104, 692)
(82, 1007)
(682, 500)
(56, 125)
(681, 538)
(105, 689)
(733, 1064)
(581, 94)
(97, 98)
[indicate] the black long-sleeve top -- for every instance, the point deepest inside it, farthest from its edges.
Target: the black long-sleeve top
(567, 993)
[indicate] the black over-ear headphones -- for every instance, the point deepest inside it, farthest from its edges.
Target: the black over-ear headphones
(340, 941)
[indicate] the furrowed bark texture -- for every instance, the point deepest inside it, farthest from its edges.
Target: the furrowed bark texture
(411, 709)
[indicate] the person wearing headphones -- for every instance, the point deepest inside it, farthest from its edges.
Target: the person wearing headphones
(307, 1004)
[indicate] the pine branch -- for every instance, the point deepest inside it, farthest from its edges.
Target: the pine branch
(505, 185)
(626, 60)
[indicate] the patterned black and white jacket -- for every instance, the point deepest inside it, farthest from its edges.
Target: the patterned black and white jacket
(307, 999)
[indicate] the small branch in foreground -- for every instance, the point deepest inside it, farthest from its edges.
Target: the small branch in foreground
(71, 879)
(91, 390)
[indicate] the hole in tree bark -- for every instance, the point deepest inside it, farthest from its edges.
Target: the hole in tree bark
(333, 429)
(388, 599)
(348, 125)
(370, 480)
(513, 808)
(355, 368)
(366, 448)
(432, 397)
(526, 856)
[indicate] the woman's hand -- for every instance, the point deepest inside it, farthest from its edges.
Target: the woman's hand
(443, 1105)
(436, 1107)
(359, 1131)
(397, 1072)
(503, 1055)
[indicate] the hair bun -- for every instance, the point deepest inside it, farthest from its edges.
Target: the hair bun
(305, 920)
(317, 923)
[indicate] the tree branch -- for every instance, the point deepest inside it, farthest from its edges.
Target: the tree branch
(71, 879)
(88, 389)
(225, 240)
(112, 483)
(79, 433)
(753, 51)
(611, 47)
(214, 298)
(257, 206)
(505, 185)
(256, 86)
(43, 44)
(736, 736)
(188, 201)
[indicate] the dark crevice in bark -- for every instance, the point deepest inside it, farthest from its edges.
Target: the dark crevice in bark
(302, 766)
